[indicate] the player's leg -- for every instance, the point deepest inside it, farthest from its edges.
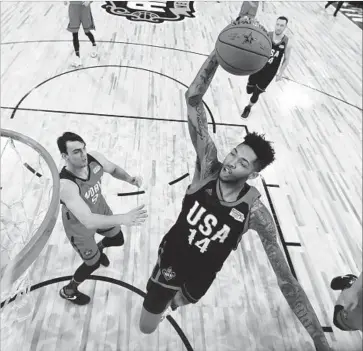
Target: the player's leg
(94, 52)
(251, 87)
(85, 244)
(112, 236)
(249, 9)
(194, 287)
(340, 4)
(156, 302)
(75, 40)
(257, 91)
(74, 13)
(162, 287)
(262, 81)
(191, 291)
(88, 25)
(251, 84)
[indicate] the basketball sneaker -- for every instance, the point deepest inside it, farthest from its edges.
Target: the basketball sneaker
(343, 282)
(246, 112)
(94, 52)
(77, 297)
(77, 62)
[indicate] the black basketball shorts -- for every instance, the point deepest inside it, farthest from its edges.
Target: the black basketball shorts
(173, 273)
(259, 81)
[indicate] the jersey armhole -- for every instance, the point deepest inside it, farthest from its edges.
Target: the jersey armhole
(194, 187)
(245, 228)
(73, 181)
(92, 158)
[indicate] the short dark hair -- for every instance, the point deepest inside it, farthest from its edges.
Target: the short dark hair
(262, 148)
(283, 18)
(67, 136)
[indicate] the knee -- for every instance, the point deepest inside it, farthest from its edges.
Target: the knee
(145, 328)
(95, 262)
(250, 89)
(85, 270)
(254, 97)
(92, 264)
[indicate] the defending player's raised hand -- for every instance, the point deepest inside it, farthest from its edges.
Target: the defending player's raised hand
(135, 217)
(137, 181)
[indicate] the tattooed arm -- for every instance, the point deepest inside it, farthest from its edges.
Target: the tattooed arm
(262, 222)
(197, 121)
(249, 9)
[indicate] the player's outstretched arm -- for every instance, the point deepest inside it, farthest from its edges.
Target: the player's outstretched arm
(116, 171)
(285, 61)
(249, 9)
(69, 195)
(197, 119)
(262, 222)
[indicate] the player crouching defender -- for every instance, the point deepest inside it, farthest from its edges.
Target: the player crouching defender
(85, 210)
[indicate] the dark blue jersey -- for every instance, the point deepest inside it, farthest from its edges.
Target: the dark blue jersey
(277, 52)
(208, 229)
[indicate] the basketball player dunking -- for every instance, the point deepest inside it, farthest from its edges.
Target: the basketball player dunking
(218, 208)
(80, 12)
(281, 50)
(85, 210)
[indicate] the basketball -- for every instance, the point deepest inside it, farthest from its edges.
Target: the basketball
(243, 49)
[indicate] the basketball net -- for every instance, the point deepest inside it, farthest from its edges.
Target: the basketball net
(26, 196)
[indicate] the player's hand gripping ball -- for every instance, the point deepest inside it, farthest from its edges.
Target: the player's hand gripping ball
(243, 47)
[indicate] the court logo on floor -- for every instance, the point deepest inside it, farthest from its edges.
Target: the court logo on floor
(151, 11)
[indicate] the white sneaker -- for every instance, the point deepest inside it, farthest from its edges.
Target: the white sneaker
(94, 52)
(77, 62)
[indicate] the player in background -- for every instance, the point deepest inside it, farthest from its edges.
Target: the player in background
(339, 5)
(280, 52)
(80, 12)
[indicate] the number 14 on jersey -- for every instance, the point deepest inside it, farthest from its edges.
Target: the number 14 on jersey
(203, 244)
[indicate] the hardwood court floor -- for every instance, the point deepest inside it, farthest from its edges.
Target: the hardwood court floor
(314, 118)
